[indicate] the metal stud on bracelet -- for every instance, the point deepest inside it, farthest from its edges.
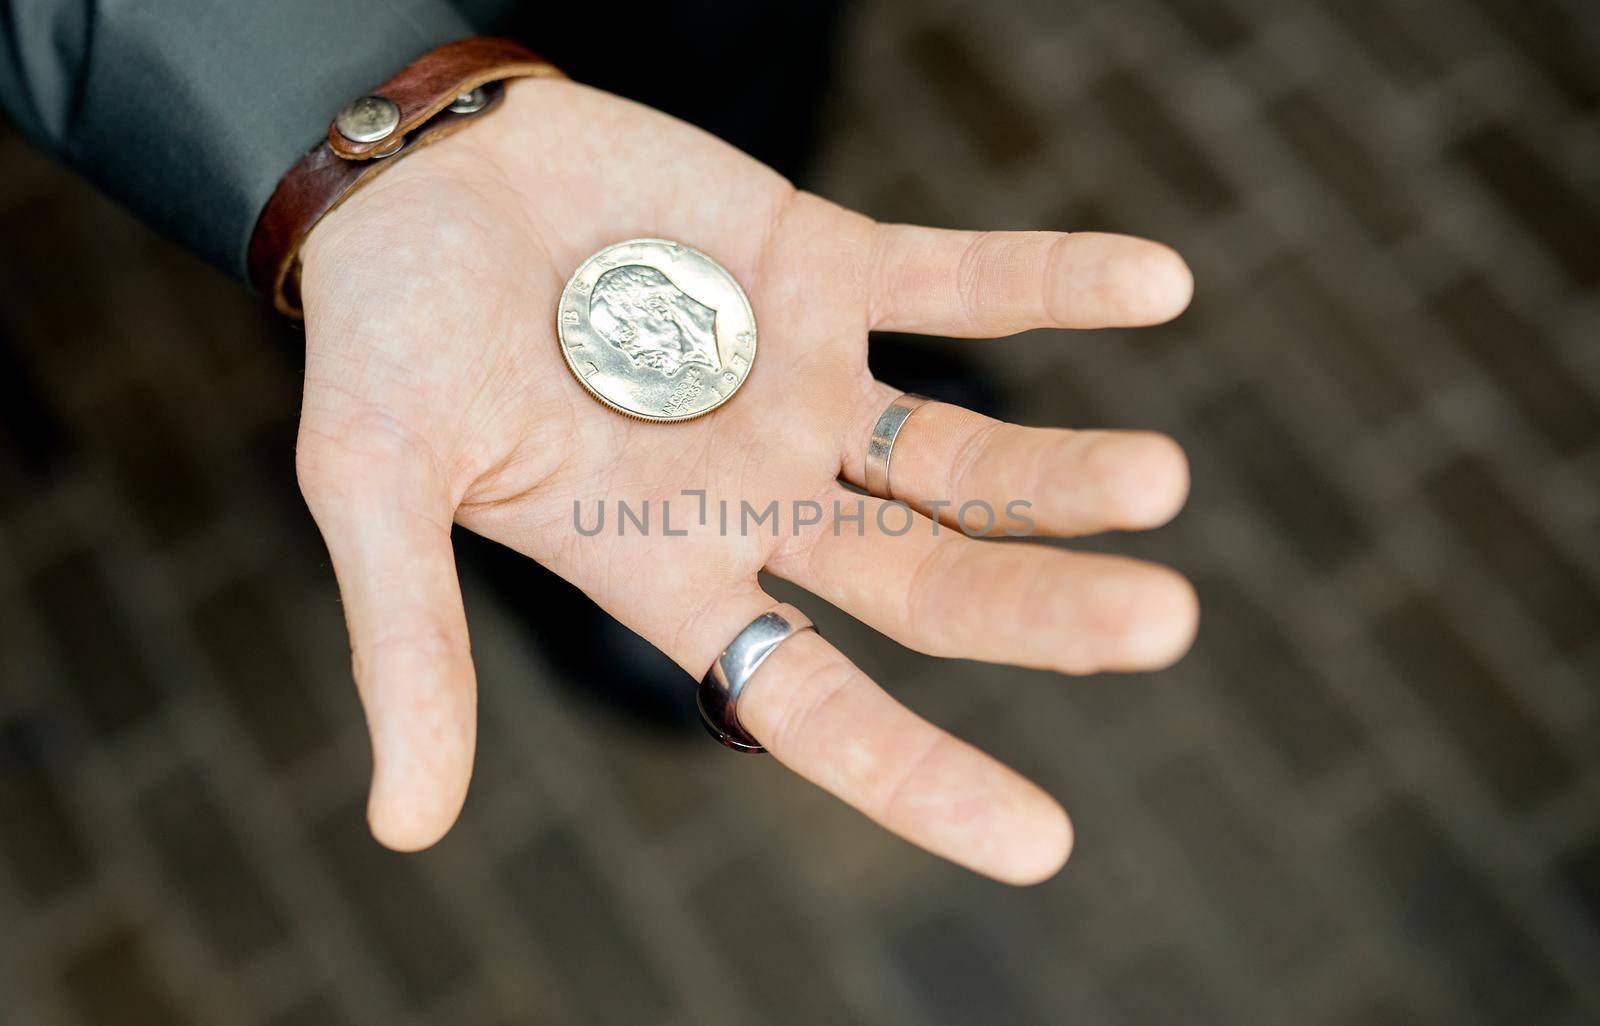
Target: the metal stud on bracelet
(368, 119)
(435, 95)
(471, 102)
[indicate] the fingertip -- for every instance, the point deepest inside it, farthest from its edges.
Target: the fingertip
(1152, 283)
(405, 819)
(1140, 617)
(1145, 477)
(1044, 850)
(400, 833)
(1170, 284)
(1167, 623)
(422, 765)
(1108, 280)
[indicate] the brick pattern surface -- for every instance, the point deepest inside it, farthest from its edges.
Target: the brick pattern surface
(1371, 795)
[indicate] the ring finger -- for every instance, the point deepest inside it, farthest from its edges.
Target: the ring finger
(1068, 482)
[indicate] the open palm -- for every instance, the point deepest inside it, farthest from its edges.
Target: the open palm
(436, 394)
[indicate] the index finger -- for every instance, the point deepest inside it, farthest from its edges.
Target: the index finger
(823, 718)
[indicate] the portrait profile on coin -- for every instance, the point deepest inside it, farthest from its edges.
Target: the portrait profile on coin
(640, 311)
(656, 330)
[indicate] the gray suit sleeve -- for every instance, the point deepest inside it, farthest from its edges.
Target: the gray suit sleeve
(189, 111)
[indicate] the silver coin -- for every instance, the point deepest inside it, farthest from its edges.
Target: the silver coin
(656, 330)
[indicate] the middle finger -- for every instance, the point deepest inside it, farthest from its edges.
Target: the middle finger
(937, 591)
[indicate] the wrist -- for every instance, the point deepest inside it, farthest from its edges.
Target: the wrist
(394, 210)
(437, 96)
(407, 207)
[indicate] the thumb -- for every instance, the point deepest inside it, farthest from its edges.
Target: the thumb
(385, 513)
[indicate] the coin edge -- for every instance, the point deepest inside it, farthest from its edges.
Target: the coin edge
(561, 342)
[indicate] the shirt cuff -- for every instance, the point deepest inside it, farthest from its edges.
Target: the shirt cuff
(190, 111)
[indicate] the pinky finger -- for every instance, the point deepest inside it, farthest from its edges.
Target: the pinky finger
(987, 284)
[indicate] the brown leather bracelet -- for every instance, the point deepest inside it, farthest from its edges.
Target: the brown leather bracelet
(439, 93)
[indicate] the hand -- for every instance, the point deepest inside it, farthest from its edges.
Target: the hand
(435, 394)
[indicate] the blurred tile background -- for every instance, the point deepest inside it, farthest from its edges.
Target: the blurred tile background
(1371, 794)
